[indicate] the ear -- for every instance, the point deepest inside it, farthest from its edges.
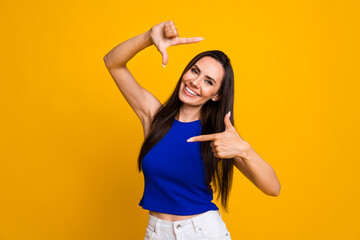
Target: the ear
(215, 98)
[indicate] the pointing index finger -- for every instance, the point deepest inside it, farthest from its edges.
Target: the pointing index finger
(189, 40)
(200, 138)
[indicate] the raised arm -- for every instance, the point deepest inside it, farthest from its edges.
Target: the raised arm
(142, 101)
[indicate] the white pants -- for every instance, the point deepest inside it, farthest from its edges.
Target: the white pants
(206, 226)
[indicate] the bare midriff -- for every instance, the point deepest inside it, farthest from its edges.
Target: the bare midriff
(171, 217)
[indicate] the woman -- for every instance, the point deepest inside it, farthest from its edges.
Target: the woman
(190, 141)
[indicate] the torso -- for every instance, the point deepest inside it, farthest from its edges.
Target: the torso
(164, 216)
(170, 217)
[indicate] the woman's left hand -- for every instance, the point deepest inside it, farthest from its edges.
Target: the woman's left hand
(227, 144)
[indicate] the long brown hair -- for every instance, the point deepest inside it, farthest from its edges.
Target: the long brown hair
(212, 113)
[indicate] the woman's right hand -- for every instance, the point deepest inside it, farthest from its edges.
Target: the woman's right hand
(165, 34)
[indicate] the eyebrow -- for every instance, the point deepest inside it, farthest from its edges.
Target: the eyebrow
(206, 75)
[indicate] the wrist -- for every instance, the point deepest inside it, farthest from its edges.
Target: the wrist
(148, 37)
(246, 151)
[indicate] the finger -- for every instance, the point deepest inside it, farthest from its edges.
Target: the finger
(169, 24)
(227, 121)
(176, 32)
(170, 30)
(164, 57)
(208, 137)
(188, 40)
(171, 33)
(214, 150)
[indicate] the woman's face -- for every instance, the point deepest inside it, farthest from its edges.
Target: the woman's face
(201, 82)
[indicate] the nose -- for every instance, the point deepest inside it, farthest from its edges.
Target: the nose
(195, 83)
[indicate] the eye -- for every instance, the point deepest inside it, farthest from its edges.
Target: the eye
(210, 82)
(193, 69)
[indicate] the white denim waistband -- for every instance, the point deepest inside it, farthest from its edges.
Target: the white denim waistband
(193, 221)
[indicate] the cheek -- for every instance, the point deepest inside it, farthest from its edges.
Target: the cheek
(186, 75)
(208, 91)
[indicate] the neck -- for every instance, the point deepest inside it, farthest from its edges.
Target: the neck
(188, 114)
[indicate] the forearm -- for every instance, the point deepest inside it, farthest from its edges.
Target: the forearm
(263, 174)
(123, 52)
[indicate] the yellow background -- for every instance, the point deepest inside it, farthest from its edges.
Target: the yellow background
(69, 141)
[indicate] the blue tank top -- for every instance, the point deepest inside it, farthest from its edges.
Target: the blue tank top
(174, 174)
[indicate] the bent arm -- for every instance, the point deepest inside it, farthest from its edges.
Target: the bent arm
(258, 171)
(141, 101)
(123, 52)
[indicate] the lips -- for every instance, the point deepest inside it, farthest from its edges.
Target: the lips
(190, 93)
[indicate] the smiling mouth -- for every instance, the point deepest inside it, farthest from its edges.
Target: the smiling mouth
(189, 92)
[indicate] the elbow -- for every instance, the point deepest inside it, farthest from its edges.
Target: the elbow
(105, 60)
(277, 192)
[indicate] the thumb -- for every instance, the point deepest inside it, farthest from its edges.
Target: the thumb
(164, 57)
(227, 121)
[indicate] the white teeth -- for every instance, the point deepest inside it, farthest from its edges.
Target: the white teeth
(188, 89)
